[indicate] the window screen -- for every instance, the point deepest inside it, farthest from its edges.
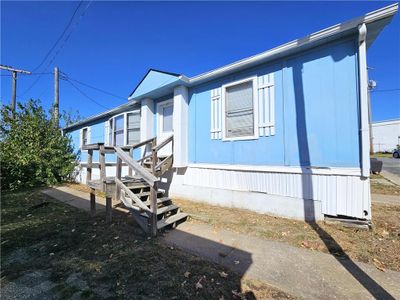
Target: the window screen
(239, 110)
(167, 118)
(119, 131)
(133, 127)
(84, 136)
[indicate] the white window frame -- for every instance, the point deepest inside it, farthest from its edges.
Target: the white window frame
(87, 136)
(137, 112)
(160, 119)
(255, 110)
(112, 127)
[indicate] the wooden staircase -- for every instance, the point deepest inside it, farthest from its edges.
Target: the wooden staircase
(168, 214)
(138, 192)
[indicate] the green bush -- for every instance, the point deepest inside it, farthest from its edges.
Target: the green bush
(33, 151)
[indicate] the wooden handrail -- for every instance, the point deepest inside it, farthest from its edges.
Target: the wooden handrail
(134, 146)
(131, 195)
(139, 170)
(165, 142)
(164, 161)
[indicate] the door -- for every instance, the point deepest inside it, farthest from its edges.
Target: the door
(165, 111)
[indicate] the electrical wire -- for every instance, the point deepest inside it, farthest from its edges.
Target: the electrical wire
(60, 48)
(67, 77)
(60, 37)
(85, 95)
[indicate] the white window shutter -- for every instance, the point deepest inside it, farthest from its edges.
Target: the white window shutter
(266, 105)
(107, 133)
(216, 114)
(80, 138)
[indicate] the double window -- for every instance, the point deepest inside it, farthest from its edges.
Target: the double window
(123, 129)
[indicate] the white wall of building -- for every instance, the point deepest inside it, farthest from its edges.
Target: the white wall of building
(386, 135)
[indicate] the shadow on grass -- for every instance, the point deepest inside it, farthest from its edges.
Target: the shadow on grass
(115, 260)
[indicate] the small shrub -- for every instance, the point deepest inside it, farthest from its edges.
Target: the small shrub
(33, 151)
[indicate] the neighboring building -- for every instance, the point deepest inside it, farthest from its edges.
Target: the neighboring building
(386, 135)
(283, 132)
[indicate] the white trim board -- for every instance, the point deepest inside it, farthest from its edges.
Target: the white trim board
(281, 169)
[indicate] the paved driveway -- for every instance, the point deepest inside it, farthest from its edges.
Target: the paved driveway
(391, 169)
(391, 165)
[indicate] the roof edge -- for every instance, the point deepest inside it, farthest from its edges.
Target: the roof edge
(382, 13)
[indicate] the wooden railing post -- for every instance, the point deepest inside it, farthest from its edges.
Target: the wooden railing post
(103, 177)
(102, 161)
(88, 178)
(153, 190)
(131, 155)
(118, 173)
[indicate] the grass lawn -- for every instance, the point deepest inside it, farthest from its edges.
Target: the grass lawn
(83, 257)
(379, 246)
(381, 154)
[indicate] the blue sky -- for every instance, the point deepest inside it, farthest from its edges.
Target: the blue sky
(115, 43)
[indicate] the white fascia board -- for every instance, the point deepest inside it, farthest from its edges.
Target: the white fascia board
(334, 30)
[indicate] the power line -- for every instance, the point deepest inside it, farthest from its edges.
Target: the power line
(60, 48)
(60, 37)
(85, 95)
(67, 77)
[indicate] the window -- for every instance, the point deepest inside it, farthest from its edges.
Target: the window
(133, 128)
(167, 118)
(239, 112)
(119, 131)
(123, 129)
(84, 136)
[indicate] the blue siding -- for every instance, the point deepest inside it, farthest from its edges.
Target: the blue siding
(316, 111)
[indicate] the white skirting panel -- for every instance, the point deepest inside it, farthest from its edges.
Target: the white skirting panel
(332, 194)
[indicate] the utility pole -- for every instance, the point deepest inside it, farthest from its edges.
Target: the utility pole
(371, 86)
(56, 95)
(14, 83)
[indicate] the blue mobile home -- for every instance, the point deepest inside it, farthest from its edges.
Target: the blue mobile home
(283, 132)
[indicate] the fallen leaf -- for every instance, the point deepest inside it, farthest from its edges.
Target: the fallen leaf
(51, 254)
(223, 274)
(237, 262)
(305, 244)
(238, 295)
(199, 285)
(116, 238)
(186, 274)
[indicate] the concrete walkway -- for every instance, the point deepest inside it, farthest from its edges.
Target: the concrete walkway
(385, 199)
(77, 198)
(300, 272)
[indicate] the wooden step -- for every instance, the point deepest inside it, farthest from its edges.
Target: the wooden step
(159, 200)
(145, 194)
(165, 209)
(171, 220)
(139, 186)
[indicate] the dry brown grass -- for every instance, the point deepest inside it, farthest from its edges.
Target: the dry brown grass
(379, 246)
(380, 185)
(116, 261)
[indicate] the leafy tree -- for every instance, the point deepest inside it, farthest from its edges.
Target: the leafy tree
(33, 151)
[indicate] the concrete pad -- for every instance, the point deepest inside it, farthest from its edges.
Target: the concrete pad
(385, 199)
(300, 272)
